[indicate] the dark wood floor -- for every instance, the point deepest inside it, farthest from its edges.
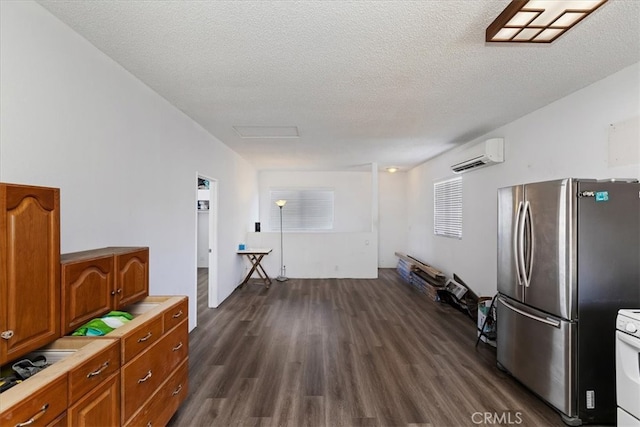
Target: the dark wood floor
(344, 352)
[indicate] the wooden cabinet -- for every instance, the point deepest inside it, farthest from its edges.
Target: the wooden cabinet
(137, 374)
(165, 401)
(87, 286)
(100, 407)
(29, 268)
(93, 370)
(132, 275)
(76, 386)
(144, 375)
(42, 405)
(97, 281)
(155, 349)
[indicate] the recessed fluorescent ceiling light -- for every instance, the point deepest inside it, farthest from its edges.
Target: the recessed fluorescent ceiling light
(267, 131)
(538, 21)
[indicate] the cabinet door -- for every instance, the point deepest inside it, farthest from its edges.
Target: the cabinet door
(87, 291)
(29, 268)
(101, 407)
(132, 279)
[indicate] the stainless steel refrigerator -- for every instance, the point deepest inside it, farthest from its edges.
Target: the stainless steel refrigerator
(568, 259)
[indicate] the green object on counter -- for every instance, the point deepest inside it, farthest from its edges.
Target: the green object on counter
(103, 325)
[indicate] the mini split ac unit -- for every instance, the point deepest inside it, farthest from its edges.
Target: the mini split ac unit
(487, 153)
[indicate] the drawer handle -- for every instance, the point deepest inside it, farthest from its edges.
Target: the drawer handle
(178, 314)
(176, 391)
(119, 291)
(7, 335)
(149, 424)
(35, 417)
(146, 377)
(145, 338)
(178, 347)
(104, 366)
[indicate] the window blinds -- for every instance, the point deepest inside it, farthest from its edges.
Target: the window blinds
(447, 208)
(306, 210)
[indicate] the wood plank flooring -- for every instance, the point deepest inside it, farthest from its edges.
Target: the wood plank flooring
(345, 352)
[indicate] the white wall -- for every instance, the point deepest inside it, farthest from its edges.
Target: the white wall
(124, 158)
(350, 250)
(393, 217)
(319, 255)
(568, 138)
(352, 196)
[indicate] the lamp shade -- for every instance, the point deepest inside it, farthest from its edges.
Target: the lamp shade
(281, 203)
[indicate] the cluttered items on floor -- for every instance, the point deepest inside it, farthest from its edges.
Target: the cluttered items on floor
(423, 277)
(458, 294)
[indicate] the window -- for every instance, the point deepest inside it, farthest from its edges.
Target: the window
(447, 208)
(306, 210)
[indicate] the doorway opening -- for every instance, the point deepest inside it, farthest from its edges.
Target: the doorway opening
(206, 242)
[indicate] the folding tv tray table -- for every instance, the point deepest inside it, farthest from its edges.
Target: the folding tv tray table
(255, 257)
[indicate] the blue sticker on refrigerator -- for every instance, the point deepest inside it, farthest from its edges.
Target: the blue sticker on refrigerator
(602, 196)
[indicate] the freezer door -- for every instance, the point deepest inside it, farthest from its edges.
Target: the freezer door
(549, 240)
(609, 245)
(510, 210)
(539, 351)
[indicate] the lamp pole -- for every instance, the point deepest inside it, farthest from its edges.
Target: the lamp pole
(282, 277)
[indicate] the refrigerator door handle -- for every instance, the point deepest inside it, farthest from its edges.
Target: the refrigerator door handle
(547, 321)
(516, 240)
(527, 253)
(519, 249)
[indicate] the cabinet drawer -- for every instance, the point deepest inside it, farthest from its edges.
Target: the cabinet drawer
(95, 370)
(43, 406)
(144, 375)
(175, 347)
(176, 314)
(164, 403)
(141, 338)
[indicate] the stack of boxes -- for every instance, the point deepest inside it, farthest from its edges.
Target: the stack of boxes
(404, 269)
(427, 282)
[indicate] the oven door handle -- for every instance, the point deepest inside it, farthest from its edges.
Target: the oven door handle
(633, 342)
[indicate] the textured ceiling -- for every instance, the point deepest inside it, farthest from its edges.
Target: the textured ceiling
(390, 82)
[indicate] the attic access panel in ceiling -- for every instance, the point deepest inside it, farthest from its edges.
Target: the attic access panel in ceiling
(267, 131)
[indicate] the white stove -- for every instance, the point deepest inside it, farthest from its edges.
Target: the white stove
(628, 367)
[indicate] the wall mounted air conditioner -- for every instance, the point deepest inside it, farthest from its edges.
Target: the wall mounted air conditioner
(484, 154)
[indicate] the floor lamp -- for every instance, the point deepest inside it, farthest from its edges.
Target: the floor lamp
(282, 277)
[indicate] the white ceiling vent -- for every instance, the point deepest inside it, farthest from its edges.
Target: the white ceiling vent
(484, 154)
